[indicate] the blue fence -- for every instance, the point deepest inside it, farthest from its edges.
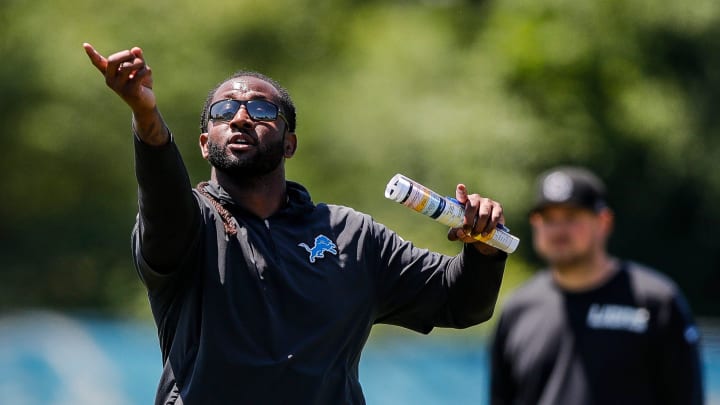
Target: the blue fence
(51, 358)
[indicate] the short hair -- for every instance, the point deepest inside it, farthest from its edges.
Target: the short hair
(286, 104)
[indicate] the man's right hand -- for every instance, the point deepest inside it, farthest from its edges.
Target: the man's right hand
(127, 74)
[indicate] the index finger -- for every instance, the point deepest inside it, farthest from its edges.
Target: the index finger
(137, 52)
(97, 60)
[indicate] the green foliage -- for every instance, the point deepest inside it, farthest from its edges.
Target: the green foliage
(485, 93)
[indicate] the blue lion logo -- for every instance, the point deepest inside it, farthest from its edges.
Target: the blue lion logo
(322, 244)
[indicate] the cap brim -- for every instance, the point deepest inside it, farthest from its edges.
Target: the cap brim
(568, 204)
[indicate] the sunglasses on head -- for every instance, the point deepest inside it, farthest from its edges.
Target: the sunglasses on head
(258, 110)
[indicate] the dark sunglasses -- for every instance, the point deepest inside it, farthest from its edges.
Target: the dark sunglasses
(258, 110)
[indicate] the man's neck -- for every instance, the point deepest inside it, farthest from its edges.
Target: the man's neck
(585, 275)
(262, 196)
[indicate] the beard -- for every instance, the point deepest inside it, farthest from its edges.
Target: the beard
(267, 159)
(565, 255)
(561, 262)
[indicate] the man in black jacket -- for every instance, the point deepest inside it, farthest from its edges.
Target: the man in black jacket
(593, 329)
(261, 296)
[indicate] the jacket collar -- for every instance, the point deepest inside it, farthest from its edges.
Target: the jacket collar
(299, 200)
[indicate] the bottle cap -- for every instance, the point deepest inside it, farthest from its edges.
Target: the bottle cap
(398, 188)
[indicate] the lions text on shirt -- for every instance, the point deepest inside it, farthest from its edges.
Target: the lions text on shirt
(618, 317)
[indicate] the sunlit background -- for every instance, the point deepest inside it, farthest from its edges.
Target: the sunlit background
(487, 92)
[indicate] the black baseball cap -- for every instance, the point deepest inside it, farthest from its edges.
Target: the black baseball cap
(570, 185)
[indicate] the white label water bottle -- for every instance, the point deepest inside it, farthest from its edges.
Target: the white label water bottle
(445, 210)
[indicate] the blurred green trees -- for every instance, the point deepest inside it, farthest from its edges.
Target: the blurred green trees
(487, 93)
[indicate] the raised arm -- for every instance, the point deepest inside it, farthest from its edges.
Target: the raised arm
(168, 216)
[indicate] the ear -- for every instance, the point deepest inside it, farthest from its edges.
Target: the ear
(607, 219)
(203, 145)
(535, 219)
(290, 145)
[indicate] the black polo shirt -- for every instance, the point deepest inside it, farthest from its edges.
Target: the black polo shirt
(630, 341)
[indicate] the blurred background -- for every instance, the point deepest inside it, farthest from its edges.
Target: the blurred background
(485, 92)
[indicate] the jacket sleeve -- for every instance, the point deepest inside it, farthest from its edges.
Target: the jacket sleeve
(502, 388)
(168, 213)
(678, 356)
(419, 289)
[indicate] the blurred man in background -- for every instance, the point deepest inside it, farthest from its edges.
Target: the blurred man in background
(592, 328)
(261, 296)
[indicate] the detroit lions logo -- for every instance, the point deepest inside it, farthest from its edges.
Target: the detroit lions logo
(322, 244)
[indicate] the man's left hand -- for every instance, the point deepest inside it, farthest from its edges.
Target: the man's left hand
(481, 217)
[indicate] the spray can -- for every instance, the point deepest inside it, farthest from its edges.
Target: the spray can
(445, 210)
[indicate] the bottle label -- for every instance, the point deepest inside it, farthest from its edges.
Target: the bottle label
(422, 201)
(452, 215)
(499, 240)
